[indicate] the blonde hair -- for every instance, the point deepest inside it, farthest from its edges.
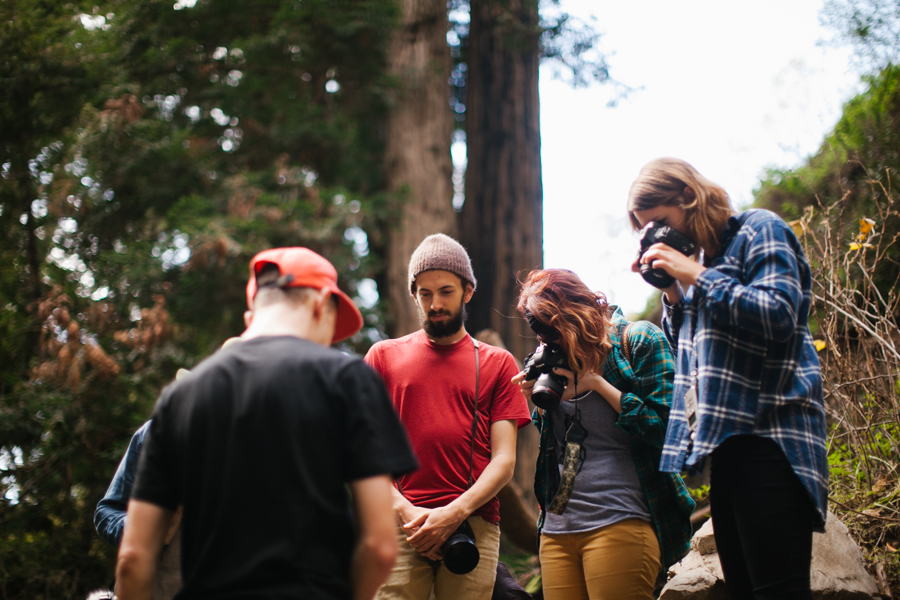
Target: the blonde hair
(674, 182)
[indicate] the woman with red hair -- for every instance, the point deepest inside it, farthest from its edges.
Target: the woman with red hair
(609, 519)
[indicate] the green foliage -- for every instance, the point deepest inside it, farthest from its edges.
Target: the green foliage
(868, 26)
(523, 566)
(855, 322)
(568, 45)
(700, 494)
(143, 161)
(857, 164)
(842, 205)
(869, 508)
(866, 134)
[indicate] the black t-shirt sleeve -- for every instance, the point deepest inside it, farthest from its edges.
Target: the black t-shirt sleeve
(374, 442)
(156, 479)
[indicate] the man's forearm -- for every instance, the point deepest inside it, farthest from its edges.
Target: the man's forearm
(376, 548)
(134, 576)
(496, 475)
(141, 544)
(433, 527)
(370, 568)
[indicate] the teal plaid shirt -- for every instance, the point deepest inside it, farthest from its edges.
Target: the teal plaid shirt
(646, 386)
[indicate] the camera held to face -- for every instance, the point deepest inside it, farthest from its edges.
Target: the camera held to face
(549, 387)
(656, 233)
(460, 552)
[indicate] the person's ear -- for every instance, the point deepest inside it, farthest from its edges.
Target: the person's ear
(321, 300)
(248, 318)
(467, 295)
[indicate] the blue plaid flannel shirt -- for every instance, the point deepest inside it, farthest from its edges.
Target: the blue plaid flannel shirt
(758, 369)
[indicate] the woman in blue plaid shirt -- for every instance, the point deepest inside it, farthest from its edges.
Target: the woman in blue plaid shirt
(748, 388)
(609, 518)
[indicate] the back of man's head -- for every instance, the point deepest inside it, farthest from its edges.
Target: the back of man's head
(294, 276)
(269, 289)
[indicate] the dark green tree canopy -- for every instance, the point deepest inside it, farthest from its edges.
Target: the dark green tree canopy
(147, 151)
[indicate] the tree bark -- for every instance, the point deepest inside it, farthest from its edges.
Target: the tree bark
(501, 219)
(501, 222)
(418, 167)
(518, 520)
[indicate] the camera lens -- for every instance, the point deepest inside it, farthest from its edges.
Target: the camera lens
(656, 277)
(460, 552)
(548, 391)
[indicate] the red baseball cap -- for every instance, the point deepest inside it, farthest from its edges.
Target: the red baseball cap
(301, 267)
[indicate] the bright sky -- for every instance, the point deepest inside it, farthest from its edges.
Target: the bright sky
(731, 87)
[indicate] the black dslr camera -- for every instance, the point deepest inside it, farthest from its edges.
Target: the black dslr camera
(655, 233)
(460, 553)
(549, 387)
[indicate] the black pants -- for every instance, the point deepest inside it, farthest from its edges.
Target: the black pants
(762, 519)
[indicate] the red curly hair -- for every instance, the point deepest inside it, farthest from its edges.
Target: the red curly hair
(559, 299)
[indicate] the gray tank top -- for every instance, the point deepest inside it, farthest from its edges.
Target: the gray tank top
(607, 489)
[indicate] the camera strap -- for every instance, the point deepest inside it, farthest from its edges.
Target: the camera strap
(626, 345)
(572, 461)
(474, 414)
(691, 400)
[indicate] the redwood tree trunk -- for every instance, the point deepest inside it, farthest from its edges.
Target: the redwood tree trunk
(418, 167)
(501, 222)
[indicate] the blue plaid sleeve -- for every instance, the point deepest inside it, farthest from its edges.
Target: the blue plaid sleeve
(770, 300)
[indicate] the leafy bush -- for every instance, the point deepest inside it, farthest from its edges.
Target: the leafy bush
(855, 318)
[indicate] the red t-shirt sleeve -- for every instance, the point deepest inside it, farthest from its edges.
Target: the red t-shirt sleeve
(373, 359)
(509, 403)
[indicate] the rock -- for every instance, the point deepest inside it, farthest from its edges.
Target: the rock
(703, 541)
(698, 576)
(837, 571)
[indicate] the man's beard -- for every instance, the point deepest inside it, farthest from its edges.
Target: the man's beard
(446, 328)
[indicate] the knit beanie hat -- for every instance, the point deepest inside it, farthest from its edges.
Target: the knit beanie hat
(442, 252)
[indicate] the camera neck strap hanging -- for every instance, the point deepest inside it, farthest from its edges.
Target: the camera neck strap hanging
(474, 414)
(470, 480)
(691, 400)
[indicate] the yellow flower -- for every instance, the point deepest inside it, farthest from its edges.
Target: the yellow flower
(820, 345)
(857, 246)
(865, 226)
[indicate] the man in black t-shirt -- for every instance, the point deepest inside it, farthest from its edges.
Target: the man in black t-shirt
(259, 444)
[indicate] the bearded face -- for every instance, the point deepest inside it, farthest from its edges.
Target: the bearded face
(443, 323)
(441, 301)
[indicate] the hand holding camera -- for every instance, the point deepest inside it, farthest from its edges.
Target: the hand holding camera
(656, 233)
(439, 535)
(539, 365)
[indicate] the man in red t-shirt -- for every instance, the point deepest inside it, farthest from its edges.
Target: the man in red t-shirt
(432, 377)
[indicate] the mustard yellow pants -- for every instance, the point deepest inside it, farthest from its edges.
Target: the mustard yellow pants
(616, 562)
